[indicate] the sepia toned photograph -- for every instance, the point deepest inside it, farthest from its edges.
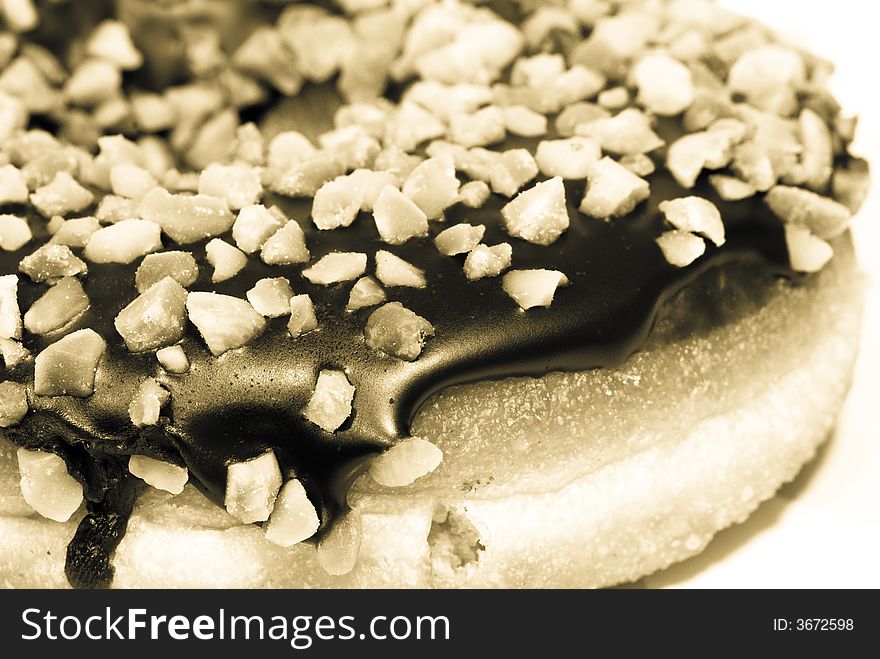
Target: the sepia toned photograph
(438, 294)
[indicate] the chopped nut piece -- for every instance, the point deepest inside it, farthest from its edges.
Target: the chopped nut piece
(511, 170)
(186, 218)
(330, 403)
(286, 246)
(817, 159)
(806, 252)
(615, 98)
(225, 322)
(265, 55)
(294, 518)
(336, 203)
(212, 139)
(612, 190)
(130, 181)
(22, 80)
(336, 267)
(823, 217)
(12, 352)
(569, 158)
(147, 403)
(520, 120)
(432, 186)
(338, 548)
(155, 318)
(480, 128)
(14, 232)
(111, 113)
(10, 314)
(302, 316)
(52, 262)
(288, 149)
(251, 488)
(68, 366)
(460, 239)
(47, 486)
(239, 184)
(152, 112)
(158, 473)
(405, 462)
(227, 260)
(318, 39)
(394, 271)
(271, 297)
(397, 331)
(539, 214)
(538, 70)
(124, 241)
(92, 82)
(689, 155)
(474, 194)
(20, 15)
(62, 196)
(665, 84)
(13, 403)
(398, 218)
(13, 186)
(768, 77)
(485, 261)
(696, 215)
(249, 145)
(76, 231)
(365, 293)
(180, 266)
(111, 40)
(533, 288)
(58, 306)
(173, 359)
(626, 133)
(681, 248)
(730, 188)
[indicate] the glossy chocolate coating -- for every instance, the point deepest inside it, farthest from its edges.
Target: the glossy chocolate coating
(236, 406)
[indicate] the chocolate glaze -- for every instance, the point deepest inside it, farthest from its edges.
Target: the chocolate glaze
(236, 406)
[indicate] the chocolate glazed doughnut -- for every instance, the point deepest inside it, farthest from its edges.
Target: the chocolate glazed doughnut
(564, 316)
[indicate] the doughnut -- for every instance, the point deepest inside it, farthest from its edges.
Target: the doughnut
(410, 294)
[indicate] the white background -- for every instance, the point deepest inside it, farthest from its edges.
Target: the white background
(823, 530)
